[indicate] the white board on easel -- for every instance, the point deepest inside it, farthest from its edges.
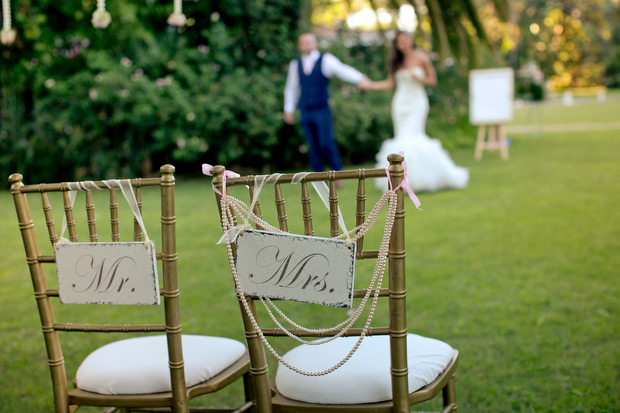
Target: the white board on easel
(491, 93)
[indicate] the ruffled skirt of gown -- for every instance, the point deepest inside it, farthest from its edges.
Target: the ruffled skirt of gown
(429, 166)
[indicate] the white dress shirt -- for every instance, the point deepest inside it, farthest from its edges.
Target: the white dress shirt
(330, 66)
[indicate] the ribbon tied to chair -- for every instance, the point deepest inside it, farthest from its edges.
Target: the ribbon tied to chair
(404, 183)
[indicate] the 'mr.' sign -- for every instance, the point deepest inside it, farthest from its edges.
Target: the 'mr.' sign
(107, 273)
(294, 267)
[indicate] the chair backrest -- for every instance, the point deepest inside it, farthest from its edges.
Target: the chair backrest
(290, 216)
(167, 318)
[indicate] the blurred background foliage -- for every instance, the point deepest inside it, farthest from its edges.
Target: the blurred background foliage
(79, 102)
(562, 43)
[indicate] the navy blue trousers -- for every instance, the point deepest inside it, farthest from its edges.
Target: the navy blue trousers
(319, 131)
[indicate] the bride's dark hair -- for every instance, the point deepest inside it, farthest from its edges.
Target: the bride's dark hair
(397, 56)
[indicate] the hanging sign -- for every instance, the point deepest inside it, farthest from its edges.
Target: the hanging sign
(107, 273)
(296, 267)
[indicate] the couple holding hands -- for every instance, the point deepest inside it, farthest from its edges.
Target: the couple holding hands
(430, 166)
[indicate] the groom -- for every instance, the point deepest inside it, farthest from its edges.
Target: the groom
(306, 87)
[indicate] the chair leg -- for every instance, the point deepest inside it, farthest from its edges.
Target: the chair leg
(449, 396)
(248, 389)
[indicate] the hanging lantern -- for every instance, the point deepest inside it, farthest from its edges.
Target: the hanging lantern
(177, 18)
(101, 18)
(8, 34)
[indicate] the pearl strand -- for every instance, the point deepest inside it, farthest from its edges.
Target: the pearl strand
(387, 233)
(378, 274)
(227, 221)
(363, 230)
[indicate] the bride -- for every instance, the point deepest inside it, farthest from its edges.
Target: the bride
(429, 165)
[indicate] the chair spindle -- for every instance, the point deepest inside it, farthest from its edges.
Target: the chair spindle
(306, 208)
(90, 215)
(49, 219)
(333, 208)
(137, 231)
(116, 235)
(281, 210)
(360, 211)
(69, 216)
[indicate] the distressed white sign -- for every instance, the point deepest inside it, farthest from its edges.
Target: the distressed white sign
(107, 273)
(296, 267)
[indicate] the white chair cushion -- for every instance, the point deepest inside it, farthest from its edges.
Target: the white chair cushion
(365, 377)
(140, 365)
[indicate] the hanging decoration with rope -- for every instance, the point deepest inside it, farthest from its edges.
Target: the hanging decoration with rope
(8, 34)
(177, 18)
(101, 18)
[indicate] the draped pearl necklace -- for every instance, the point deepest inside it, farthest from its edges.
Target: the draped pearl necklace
(233, 207)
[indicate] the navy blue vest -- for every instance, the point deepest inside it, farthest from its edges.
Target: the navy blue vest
(314, 93)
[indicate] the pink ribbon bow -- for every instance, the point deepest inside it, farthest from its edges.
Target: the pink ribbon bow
(404, 184)
(206, 169)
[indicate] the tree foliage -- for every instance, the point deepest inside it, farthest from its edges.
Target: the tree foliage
(612, 57)
(448, 27)
(79, 101)
(570, 42)
(568, 37)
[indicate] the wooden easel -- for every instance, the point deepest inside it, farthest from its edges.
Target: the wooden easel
(496, 141)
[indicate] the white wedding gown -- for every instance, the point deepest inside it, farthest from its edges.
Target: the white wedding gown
(429, 165)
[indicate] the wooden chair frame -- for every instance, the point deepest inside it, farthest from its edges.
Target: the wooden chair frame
(268, 397)
(66, 400)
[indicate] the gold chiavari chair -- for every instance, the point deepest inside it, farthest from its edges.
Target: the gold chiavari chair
(147, 372)
(392, 369)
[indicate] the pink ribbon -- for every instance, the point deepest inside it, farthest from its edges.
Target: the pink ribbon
(206, 169)
(404, 184)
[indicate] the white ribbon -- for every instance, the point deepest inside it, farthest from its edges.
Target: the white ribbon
(259, 181)
(321, 189)
(123, 184)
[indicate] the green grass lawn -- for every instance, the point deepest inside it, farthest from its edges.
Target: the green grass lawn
(585, 109)
(519, 272)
